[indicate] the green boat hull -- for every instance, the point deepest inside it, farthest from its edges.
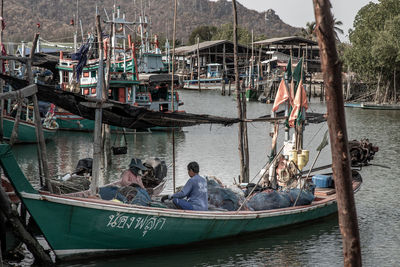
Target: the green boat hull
(26, 131)
(74, 123)
(76, 227)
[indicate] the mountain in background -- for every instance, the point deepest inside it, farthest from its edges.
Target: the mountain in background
(23, 16)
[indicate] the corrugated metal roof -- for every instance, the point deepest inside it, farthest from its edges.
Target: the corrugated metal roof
(295, 40)
(184, 50)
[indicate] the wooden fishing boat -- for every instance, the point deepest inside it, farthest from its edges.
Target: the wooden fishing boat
(70, 224)
(26, 130)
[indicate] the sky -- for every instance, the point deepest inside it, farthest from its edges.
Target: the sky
(298, 12)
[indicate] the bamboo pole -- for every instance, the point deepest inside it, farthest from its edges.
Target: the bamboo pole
(239, 96)
(172, 96)
(39, 128)
(97, 144)
(338, 134)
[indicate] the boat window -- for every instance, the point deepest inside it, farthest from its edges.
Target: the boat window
(93, 91)
(93, 74)
(86, 74)
(65, 76)
(86, 91)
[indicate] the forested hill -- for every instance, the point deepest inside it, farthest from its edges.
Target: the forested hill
(54, 16)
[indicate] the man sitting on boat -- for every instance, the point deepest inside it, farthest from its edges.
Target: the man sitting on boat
(131, 176)
(195, 191)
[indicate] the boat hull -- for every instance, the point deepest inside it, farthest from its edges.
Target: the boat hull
(69, 224)
(70, 122)
(26, 131)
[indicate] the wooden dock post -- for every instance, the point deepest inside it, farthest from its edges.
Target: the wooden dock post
(338, 133)
(229, 88)
(223, 87)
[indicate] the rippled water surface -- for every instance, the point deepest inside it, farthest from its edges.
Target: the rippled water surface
(215, 148)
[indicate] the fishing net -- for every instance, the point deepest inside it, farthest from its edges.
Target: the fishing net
(220, 197)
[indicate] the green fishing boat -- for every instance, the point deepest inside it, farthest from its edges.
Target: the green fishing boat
(26, 130)
(80, 227)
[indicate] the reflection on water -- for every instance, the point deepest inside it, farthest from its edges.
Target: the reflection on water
(215, 148)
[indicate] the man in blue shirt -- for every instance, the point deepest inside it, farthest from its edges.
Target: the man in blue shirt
(195, 191)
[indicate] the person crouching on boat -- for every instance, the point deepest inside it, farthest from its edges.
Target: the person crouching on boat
(195, 191)
(132, 176)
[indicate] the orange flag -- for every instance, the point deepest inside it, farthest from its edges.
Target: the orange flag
(300, 100)
(281, 96)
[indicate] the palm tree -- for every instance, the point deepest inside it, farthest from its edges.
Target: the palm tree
(309, 31)
(337, 29)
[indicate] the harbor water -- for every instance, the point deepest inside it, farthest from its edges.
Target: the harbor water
(215, 148)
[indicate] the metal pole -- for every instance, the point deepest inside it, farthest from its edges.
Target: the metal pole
(172, 96)
(338, 133)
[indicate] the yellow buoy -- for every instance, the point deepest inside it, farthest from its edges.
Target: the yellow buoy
(306, 153)
(301, 161)
(293, 156)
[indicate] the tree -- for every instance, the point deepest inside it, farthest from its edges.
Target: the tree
(225, 32)
(309, 31)
(205, 33)
(374, 53)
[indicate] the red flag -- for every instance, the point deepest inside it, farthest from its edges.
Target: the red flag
(300, 101)
(281, 96)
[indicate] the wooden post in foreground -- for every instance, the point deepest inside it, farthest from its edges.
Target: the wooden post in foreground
(239, 96)
(39, 128)
(331, 68)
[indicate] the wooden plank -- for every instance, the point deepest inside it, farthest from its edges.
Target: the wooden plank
(96, 105)
(22, 93)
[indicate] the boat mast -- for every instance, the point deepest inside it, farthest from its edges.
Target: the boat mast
(172, 96)
(338, 133)
(76, 27)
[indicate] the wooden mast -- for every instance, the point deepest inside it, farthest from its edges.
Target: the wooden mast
(172, 96)
(97, 144)
(331, 68)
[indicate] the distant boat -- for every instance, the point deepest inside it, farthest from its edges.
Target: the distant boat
(26, 130)
(370, 105)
